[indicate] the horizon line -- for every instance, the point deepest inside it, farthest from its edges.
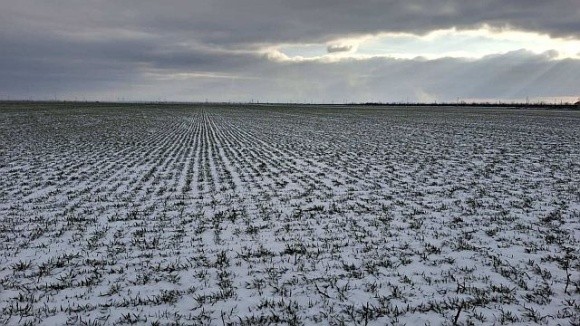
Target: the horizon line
(497, 103)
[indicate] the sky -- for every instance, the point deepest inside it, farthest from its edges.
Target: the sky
(318, 51)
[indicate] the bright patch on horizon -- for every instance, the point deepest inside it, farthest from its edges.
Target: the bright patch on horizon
(471, 44)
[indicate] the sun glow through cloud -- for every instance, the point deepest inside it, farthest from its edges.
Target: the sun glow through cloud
(469, 44)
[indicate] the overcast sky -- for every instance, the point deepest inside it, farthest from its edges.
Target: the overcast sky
(290, 50)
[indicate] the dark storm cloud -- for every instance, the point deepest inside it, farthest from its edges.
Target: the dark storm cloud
(64, 47)
(235, 22)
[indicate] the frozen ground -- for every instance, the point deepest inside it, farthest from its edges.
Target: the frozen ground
(299, 215)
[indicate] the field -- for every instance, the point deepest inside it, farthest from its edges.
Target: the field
(249, 215)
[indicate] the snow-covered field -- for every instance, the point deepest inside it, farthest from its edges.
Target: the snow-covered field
(160, 214)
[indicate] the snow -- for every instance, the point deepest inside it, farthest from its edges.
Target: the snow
(211, 214)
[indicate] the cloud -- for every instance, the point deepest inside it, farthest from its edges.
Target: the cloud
(514, 75)
(511, 76)
(221, 48)
(551, 54)
(333, 48)
(252, 21)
